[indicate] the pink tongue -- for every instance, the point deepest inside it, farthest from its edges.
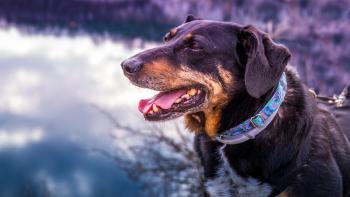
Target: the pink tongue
(162, 100)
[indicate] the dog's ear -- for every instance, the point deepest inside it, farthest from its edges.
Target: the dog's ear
(264, 60)
(190, 18)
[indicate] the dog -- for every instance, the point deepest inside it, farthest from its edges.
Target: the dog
(258, 130)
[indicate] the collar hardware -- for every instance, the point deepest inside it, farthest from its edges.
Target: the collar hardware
(257, 120)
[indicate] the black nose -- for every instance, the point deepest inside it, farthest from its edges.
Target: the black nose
(131, 66)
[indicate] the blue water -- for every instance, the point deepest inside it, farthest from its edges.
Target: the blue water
(61, 169)
(48, 123)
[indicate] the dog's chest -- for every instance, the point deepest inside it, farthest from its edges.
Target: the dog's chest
(228, 183)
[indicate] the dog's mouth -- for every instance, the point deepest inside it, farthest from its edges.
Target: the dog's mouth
(172, 104)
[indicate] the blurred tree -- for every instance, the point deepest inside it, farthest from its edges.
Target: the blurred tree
(162, 160)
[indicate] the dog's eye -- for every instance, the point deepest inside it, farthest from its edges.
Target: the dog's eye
(195, 46)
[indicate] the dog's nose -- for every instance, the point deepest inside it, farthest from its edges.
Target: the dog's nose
(131, 66)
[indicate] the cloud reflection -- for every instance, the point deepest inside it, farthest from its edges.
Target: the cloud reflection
(20, 138)
(76, 67)
(47, 87)
(79, 184)
(17, 92)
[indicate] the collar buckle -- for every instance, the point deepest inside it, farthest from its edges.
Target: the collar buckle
(257, 120)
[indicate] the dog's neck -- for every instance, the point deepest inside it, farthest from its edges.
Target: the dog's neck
(243, 106)
(239, 108)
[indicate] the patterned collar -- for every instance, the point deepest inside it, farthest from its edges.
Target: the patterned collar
(253, 126)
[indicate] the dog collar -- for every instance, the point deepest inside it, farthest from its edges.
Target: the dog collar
(254, 125)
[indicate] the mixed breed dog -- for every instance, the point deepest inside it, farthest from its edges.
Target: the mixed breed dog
(258, 130)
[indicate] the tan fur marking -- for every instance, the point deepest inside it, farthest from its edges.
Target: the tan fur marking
(225, 75)
(165, 73)
(188, 36)
(170, 34)
(173, 32)
(194, 122)
(158, 66)
(212, 122)
(217, 99)
(283, 194)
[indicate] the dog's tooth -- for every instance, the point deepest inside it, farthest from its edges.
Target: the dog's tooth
(199, 91)
(192, 92)
(151, 112)
(197, 118)
(155, 108)
(178, 100)
(185, 96)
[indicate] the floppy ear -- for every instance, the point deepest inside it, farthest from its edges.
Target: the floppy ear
(264, 60)
(190, 18)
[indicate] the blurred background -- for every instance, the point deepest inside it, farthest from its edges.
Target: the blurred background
(69, 124)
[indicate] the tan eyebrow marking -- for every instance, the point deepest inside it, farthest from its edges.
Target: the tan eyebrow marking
(188, 36)
(170, 34)
(173, 32)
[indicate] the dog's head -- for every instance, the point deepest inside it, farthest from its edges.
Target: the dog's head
(200, 67)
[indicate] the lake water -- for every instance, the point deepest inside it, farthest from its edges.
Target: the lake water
(48, 123)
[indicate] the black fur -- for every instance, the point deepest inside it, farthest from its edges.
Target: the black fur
(302, 152)
(305, 140)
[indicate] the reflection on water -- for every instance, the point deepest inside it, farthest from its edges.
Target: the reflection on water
(59, 168)
(47, 123)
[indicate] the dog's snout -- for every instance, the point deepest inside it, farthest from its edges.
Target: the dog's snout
(131, 66)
